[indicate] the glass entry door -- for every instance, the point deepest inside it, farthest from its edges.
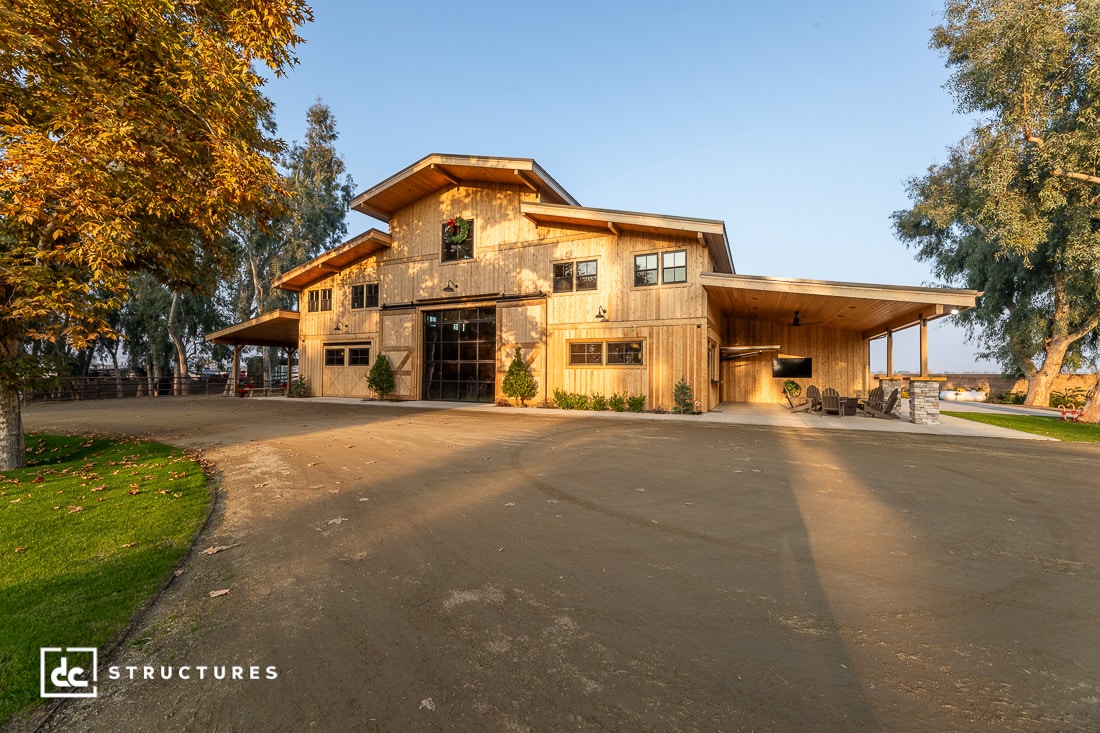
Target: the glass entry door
(460, 354)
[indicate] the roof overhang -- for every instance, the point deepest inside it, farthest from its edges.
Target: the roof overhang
(710, 232)
(277, 328)
(870, 309)
(334, 260)
(438, 171)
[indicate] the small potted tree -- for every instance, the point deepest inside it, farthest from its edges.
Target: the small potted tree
(380, 379)
(519, 384)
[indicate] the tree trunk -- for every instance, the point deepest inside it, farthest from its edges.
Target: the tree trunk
(1040, 382)
(13, 453)
(1091, 413)
(180, 380)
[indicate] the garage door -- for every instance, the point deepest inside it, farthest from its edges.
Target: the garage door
(460, 354)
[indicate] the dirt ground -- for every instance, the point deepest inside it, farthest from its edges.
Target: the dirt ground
(406, 569)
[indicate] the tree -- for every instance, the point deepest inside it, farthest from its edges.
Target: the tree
(518, 383)
(380, 378)
(683, 399)
(1014, 210)
(317, 195)
(130, 134)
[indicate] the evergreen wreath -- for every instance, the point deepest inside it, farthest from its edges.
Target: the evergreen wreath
(456, 230)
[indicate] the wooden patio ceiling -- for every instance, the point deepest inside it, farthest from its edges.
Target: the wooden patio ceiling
(867, 308)
(334, 260)
(277, 328)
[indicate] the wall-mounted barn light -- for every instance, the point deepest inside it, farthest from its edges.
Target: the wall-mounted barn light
(450, 286)
(601, 315)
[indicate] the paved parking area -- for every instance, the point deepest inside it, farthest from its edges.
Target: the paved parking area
(409, 569)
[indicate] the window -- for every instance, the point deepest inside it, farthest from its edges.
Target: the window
(570, 276)
(590, 353)
(611, 353)
(674, 267)
(458, 239)
(334, 357)
(586, 275)
(359, 356)
(319, 300)
(364, 296)
(563, 277)
(624, 352)
(645, 270)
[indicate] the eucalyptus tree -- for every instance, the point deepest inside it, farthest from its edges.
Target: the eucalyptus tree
(130, 135)
(1015, 209)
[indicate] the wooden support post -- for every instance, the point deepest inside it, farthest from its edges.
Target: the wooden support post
(236, 367)
(924, 347)
(889, 352)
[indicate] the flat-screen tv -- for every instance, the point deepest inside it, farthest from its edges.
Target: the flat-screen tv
(790, 368)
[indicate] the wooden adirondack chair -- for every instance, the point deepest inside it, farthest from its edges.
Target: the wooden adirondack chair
(830, 402)
(886, 410)
(875, 399)
(813, 395)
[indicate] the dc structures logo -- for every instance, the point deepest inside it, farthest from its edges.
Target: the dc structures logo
(69, 671)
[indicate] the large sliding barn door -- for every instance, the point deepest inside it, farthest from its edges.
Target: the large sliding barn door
(459, 356)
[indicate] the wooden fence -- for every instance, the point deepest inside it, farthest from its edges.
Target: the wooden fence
(71, 389)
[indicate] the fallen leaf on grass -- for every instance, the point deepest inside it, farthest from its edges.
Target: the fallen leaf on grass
(134, 491)
(130, 544)
(216, 549)
(101, 487)
(37, 480)
(216, 593)
(20, 549)
(74, 509)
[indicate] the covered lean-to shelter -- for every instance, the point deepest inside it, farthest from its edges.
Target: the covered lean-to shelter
(484, 254)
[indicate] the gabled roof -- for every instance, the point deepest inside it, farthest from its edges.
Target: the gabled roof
(436, 171)
(711, 232)
(334, 260)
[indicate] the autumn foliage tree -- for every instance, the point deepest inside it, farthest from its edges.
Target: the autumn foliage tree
(130, 138)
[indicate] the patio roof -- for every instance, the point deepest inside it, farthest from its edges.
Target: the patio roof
(277, 328)
(867, 308)
(323, 265)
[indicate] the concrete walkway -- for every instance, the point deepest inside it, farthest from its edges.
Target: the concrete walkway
(763, 414)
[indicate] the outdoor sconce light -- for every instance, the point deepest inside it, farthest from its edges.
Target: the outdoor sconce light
(450, 286)
(337, 329)
(601, 315)
(954, 311)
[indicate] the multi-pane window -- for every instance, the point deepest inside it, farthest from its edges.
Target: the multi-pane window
(624, 352)
(645, 270)
(458, 239)
(674, 267)
(570, 276)
(334, 357)
(586, 353)
(364, 296)
(611, 353)
(359, 356)
(319, 300)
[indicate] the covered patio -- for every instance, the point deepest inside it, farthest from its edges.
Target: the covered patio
(832, 323)
(278, 328)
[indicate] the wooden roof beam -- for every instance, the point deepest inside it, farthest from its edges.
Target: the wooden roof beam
(614, 229)
(446, 174)
(526, 181)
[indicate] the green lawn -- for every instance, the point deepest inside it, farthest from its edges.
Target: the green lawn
(1051, 427)
(88, 532)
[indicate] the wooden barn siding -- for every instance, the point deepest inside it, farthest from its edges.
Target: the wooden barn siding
(671, 351)
(522, 325)
(513, 256)
(839, 360)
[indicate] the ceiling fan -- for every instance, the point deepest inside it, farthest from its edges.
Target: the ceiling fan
(799, 322)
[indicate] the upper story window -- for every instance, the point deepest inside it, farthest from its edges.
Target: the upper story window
(319, 300)
(672, 268)
(458, 239)
(364, 296)
(571, 276)
(645, 270)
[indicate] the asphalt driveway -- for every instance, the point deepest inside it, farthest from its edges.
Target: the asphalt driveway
(404, 569)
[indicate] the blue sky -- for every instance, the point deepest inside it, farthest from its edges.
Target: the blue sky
(795, 123)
